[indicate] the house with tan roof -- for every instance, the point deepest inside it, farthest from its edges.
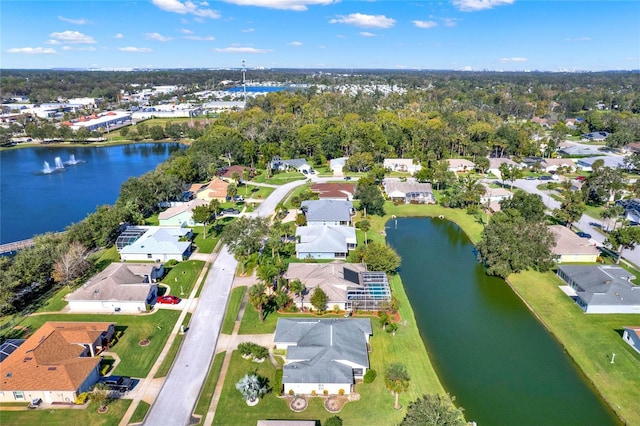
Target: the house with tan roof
(552, 164)
(334, 190)
(403, 165)
(227, 172)
(181, 214)
(460, 165)
(214, 190)
(408, 191)
(120, 287)
(494, 195)
(56, 364)
(570, 247)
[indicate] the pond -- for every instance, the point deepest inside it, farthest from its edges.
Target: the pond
(489, 350)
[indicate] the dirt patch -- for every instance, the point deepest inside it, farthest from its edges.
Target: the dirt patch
(298, 404)
(334, 404)
(144, 342)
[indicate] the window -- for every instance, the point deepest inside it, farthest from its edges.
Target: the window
(18, 395)
(321, 386)
(357, 371)
(149, 256)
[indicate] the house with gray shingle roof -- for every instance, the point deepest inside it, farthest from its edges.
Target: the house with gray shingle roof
(298, 164)
(601, 289)
(325, 242)
(323, 354)
(631, 335)
(153, 243)
(328, 212)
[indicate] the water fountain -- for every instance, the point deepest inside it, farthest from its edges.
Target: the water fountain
(47, 168)
(59, 164)
(72, 160)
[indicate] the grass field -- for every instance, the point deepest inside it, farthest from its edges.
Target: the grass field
(205, 245)
(60, 417)
(182, 277)
(279, 178)
(232, 309)
(140, 412)
(589, 339)
(167, 362)
(206, 394)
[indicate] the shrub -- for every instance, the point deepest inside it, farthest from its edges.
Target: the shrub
(259, 352)
(313, 392)
(82, 398)
(333, 421)
(341, 392)
(291, 392)
(370, 376)
(245, 348)
(325, 392)
(171, 263)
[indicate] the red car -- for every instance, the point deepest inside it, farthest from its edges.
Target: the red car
(168, 299)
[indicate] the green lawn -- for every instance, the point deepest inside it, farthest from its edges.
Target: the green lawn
(152, 220)
(279, 178)
(206, 394)
(140, 412)
(232, 309)
(182, 277)
(205, 245)
(136, 360)
(252, 191)
(56, 303)
(62, 417)
(173, 350)
(589, 339)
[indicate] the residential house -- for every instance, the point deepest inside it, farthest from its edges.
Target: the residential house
(631, 209)
(325, 242)
(56, 364)
(154, 243)
(334, 190)
(120, 287)
(601, 289)
(337, 165)
(214, 190)
(541, 121)
(586, 164)
(403, 165)
(578, 150)
(570, 247)
(460, 165)
(596, 136)
(328, 212)
(553, 164)
(632, 147)
(323, 354)
(494, 195)
(181, 214)
(408, 191)
(228, 172)
(495, 163)
(299, 164)
(348, 286)
(631, 335)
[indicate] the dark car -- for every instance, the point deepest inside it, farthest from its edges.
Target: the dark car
(545, 177)
(168, 300)
(119, 383)
(531, 178)
(583, 235)
(347, 178)
(230, 211)
(35, 402)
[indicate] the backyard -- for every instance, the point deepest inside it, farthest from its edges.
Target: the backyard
(87, 416)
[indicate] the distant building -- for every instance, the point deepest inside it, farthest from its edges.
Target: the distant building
(181, 214)
(460, 165)
(403, 165)
(570, 247)
(299, 164)
(154, 244)
(334, 190)
(408, 191)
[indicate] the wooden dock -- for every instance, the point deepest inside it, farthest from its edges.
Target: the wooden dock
(12, 248)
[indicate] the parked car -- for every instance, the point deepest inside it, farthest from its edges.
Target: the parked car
(305, 171)
(545, 177)
(168, 300)
(584, 235)
(119, 383)
(230, 211)
(347, 178)
(35, 403)
(238, 198)
(313, 172)
(581, 178)
(531, 178)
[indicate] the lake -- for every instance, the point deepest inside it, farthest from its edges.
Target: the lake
(35, 202)
(489, 350)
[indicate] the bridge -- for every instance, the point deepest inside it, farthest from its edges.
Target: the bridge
(13, 248)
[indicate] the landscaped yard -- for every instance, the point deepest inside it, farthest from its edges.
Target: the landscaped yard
(206, 394)
(279, 178)
(182, 277)
(136, 360)
(205, 245)
(62, 417)
(232, 309)
(590, 339)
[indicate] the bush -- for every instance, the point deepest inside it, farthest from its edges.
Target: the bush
(245, 348)
(340, 392)
(313, 392)
(333, 421)
(171, 263)
(370, 376)
(82, 398)
(291, 392)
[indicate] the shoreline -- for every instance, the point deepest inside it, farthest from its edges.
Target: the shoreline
(87, 144)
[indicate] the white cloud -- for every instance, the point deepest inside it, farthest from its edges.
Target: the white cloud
(32, 50)
(72, 37)
(118, 35)
(513, 59)
(188, 7)
(249, 50)
(578, 39)
(83, 49)
(135, 49)
(364, 21)
(296, 5)
(449, 22)
(248, 30)
(185, 31)
(475, 5)
(425, 24)
(80, 21)
(295, 43)
(54, 42)
(157, 37)
(367, 34)
(199, 38)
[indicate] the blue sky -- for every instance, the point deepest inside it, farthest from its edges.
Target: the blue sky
(510, 35)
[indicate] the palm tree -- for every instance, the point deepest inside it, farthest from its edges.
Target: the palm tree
(396, 379)
(258, 299)
(252, 387)
(365, 225)
(297, 288)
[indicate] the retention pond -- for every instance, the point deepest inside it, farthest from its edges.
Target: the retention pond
(490, 351)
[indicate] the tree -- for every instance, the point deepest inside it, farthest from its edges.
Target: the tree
(396, 379)
(101, 396)
(214, 207)
(510, 244)
(297, 287)
(245, 235)
(626, 237)
(258, 298)
(202, 214)
(602, 186)
(319, 299)
(252, 387)
(364, 226)
(71, 264)
(232, 191)
(246, 175)
(434, 410)
(510, 173)
(380, 257)
(571, 209)
(530, 206)
(371, 199)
